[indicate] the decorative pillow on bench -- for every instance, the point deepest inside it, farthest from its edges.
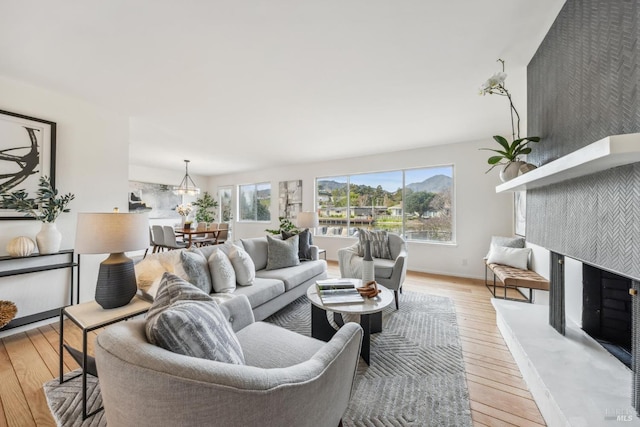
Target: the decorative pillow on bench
(185, 320)
(513, 257)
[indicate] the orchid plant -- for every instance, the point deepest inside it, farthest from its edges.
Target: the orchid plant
(508, 152)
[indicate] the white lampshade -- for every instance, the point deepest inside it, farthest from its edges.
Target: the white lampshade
(106, 233)
(308, 220)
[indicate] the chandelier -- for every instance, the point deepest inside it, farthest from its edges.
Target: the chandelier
(187, 186)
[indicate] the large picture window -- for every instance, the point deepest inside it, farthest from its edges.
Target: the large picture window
(254, 201)
(415, 203)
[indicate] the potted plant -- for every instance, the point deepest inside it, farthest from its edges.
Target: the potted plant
(45, 207)
(205, 213)
(285, 225)
(509, 154)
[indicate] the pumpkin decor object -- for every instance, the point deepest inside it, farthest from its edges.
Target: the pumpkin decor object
(20, 246)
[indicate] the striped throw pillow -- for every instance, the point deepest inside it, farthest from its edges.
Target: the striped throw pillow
(185, 320)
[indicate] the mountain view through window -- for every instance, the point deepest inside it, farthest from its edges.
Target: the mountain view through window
(415, 203)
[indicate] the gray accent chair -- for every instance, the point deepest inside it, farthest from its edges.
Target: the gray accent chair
(390, 273)
(288, 380)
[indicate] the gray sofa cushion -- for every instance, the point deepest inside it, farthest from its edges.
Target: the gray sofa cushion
(294, 276)
(268, 346)
(304, 243)
(282, 253)
(195, 265)
(185, 320)
(263, 290)
(257, 250)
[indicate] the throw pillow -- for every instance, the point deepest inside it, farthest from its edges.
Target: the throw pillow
(243, 266)
(282, 253)
(513, 257)
(223, 276)
(195, 265)
(185, 320)
(304, 243)
(379, 243)
(148, 271)
(506, 242)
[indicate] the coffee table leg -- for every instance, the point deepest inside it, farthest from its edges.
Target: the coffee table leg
(365, 322)
(320, 326)
(376, 322)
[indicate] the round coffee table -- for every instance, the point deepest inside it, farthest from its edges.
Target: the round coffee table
(370, 312)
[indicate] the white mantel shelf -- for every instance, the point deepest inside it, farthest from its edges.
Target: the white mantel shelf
(607, 153)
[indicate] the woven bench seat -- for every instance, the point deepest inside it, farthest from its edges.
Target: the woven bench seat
(514, 278)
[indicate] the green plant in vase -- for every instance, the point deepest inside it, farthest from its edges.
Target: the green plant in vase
(205, 212)
(285, 225)
(509, 153)
(46, 206)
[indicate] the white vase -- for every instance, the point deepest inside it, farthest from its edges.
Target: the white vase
(510, 171)
(49, 238)
(368, 273)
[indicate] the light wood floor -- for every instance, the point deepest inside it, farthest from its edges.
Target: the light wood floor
(499, 395)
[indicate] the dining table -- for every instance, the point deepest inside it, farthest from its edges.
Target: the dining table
(188, 234)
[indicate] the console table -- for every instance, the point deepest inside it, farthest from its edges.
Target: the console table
(55, 264)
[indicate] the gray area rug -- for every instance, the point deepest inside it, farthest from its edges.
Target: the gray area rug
(416, 377)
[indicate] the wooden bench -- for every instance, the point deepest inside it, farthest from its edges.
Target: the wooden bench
(514, 278)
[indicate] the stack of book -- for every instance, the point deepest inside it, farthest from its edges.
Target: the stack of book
(338, 291)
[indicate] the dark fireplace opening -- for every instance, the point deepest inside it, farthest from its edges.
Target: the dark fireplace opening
(606, 310)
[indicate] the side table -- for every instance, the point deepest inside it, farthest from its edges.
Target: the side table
(90, 316)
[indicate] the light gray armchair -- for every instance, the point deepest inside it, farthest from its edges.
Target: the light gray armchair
(289, 379)
(390, 273)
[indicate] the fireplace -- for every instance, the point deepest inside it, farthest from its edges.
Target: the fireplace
(607, 310)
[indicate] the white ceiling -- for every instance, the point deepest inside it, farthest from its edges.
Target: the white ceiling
(241, 85)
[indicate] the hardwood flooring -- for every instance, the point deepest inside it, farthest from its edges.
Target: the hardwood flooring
(499, 395)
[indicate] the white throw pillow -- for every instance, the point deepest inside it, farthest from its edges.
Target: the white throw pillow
(223, 276)
(148, 271)
(513, 257)
(243, 265)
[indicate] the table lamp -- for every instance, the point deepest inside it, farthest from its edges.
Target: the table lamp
(308, 220)
(113, 233)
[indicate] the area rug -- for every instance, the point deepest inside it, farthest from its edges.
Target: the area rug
(416, 376)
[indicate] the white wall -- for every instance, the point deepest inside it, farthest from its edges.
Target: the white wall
(479, 211)
(92, 163)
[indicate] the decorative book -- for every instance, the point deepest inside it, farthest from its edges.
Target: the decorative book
(338, 291)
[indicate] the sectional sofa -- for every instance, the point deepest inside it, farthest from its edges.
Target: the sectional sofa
(270, 289)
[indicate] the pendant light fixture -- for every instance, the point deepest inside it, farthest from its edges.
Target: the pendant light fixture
(187, 186)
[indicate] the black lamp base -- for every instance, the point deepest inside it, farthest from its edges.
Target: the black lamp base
(116, 281)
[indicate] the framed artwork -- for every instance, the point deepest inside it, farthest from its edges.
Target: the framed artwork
(157, 199)
(290, 199)
(520, 211)
(27, 152)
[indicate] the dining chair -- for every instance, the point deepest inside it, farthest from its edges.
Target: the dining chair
(199, 239)
(170, 241)
(157, 238)
(223, 233)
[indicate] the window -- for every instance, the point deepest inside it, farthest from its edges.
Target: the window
(415, 203)
(254, 202)
(224, 195)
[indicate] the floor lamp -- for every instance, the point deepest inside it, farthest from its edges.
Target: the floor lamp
(113, 233)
